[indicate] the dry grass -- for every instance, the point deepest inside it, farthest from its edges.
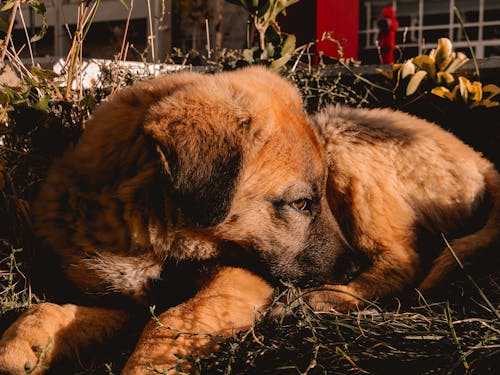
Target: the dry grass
(447, 337)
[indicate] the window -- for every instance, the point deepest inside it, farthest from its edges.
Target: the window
(422, 22)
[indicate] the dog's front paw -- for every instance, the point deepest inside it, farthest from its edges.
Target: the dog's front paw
(19, 356)
(27, 346)
(329, 298)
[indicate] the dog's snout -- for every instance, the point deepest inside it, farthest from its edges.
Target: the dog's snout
(328, 257)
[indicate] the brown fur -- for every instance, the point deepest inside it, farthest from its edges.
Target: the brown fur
(392, 177)
(186, 167)
(194, 167)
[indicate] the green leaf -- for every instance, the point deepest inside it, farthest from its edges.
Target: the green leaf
(460, 60)
(443, 53)
(426, 63)
(415, 81)
(42, 73)
(43, 104)
(248, 55)
(443, 92)
(8, 5)
(464, 83)
(494, 90)
(487, 103)
(475, 91)
(3, 25)
(278, 63)
(289, 45)
(11, 94)
(124, 3)
(89, 102)
(444, 77)
(39, 7)
(4, 97)
(269, 51)
(32, 82)
(407, 69)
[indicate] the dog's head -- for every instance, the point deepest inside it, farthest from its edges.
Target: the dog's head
(243, 163)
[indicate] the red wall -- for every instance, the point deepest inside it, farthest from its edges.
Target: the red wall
(341, 17)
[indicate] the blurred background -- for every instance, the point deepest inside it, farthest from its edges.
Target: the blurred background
(191, 24)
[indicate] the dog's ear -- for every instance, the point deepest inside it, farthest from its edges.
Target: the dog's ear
(200, 150)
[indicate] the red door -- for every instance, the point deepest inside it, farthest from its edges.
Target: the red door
(341, 18)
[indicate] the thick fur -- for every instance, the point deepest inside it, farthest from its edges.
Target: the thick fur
(186, 167)
(195, 167)
(394, 182)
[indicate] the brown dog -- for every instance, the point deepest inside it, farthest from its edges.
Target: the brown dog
(396, 183)
(393, 180)
(186, 167)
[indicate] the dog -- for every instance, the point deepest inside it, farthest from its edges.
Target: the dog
(396, 185)
(195, 167)
(189, 167)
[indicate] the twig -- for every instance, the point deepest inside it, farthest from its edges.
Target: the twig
(461, 21)
(84, 15)
(361, 78)
(9, 30)
(151, 33)
(178, 332)
(207, 31)
(447, 314)
(12, 150)
(123, 49)
(350, 360)
(27, 38)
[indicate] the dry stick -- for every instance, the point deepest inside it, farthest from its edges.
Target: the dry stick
(79, 76)
(27, 38)
(151, 34)
(207, 31)
(461, 21)
(16, 62)
(124, 49)
(9, 30)
(449, 319)
(119, 77)
(125, 32)
(73, 52)
(248, 33)
(361, 78)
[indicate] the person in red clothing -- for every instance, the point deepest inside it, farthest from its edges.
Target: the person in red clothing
(387, 24)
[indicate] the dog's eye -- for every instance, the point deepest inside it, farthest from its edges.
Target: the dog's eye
(303, 205)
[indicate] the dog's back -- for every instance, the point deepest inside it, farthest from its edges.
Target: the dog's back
(392, 173)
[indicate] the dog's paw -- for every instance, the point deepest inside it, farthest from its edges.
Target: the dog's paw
(340, 298)
(27, 346)
(18, 356)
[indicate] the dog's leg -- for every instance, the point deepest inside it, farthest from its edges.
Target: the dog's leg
(48, 332)
(227, 304)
